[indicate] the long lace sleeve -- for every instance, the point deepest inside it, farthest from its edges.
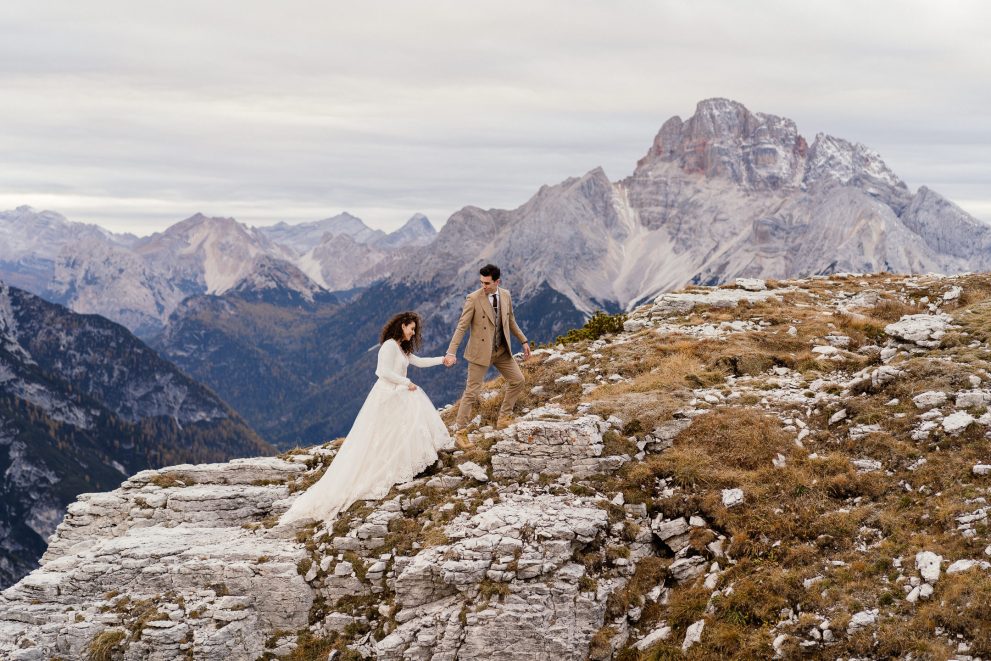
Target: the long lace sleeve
(387, 359)
(425, 362)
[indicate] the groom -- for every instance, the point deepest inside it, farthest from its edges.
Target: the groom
(488, 312)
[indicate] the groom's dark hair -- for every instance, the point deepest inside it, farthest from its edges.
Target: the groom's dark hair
(490, 270)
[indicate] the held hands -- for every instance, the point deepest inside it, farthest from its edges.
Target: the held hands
(449, 360)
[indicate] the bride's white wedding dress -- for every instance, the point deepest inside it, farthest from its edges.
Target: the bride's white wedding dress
(396, 435)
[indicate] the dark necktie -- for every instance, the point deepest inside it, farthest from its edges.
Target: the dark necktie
(498, 333)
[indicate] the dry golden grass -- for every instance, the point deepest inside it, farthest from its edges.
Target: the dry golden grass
(736, 438)
(104, 644)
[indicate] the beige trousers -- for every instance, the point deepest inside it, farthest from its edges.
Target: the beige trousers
(506, 364)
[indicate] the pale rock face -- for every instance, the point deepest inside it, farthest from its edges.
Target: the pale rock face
(214, 253)
(187, 539)
(341, 262)
(949, 229)
(693, 635)
(555, 621)
(97, 277)
(182, 548)
(861, 620)
(929, 399)
(535, 445)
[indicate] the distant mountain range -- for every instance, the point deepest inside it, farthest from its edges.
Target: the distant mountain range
(723, 194)
(139, 282)
(83, 405)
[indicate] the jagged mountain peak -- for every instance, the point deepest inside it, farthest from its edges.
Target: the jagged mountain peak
(833, 160)
(417, 231)
(270, 276)
(213, 252)
(725, 140)
(28, 233)
(303, 237)
(200, 223)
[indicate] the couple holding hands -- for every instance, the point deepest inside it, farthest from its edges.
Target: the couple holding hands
(398, 432)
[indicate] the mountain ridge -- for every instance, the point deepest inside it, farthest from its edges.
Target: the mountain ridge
(83, 402)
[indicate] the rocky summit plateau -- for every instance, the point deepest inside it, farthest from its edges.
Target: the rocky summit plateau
(765, 469)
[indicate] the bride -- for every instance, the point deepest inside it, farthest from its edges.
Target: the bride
(396, 435)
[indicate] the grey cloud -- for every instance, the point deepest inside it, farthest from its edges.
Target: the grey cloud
(129, 112)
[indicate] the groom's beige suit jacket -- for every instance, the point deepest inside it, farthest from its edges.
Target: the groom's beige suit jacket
(479, 317)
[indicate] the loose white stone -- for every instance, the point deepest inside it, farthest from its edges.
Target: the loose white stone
(732, 497)
(867, 465)
(965, 565)
(861, 620)
(474, 471)
(751, 284)
(838, 416)
(693, 635)
(929, 399)
(957, 422)
(968, 399)
(924, 330)
(684, 569)
(662, 632)
(981, 469)
(928, 564)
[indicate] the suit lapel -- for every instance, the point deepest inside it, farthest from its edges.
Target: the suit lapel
(502, 307)
(487, 306)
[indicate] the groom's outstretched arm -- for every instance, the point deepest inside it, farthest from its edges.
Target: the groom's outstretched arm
(463, 323)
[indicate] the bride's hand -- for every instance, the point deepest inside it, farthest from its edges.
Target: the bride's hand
(411, 387)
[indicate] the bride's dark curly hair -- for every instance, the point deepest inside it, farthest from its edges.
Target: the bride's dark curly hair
(393, 330)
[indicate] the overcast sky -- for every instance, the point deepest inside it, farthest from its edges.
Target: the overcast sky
(135, 115)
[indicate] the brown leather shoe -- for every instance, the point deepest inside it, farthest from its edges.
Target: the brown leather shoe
(461, 440)
(504, 421)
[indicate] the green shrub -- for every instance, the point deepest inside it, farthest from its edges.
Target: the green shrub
(598, 325)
